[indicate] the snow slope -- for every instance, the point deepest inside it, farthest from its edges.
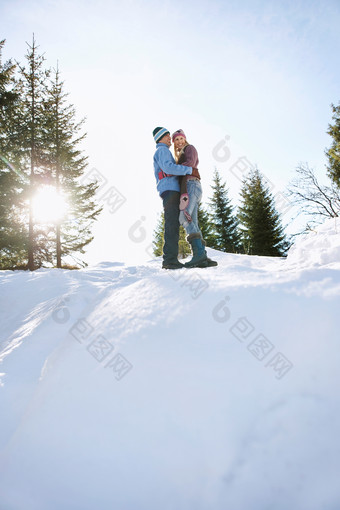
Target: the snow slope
(135, 388)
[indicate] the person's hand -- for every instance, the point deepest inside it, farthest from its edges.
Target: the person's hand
(183, 201)
(195, 172)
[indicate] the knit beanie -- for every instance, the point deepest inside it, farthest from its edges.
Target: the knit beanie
(159, 132)
(179, 132)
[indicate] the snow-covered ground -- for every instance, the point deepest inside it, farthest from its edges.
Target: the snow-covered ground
(135, 388)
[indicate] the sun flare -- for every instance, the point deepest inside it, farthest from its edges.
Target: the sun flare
(49, 205)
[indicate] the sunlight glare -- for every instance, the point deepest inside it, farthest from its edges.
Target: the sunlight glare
(49, 206)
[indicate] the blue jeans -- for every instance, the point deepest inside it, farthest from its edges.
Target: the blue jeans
(194, 190)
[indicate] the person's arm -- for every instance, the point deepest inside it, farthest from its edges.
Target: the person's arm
(165, 161)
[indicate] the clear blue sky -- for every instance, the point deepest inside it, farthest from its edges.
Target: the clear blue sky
(263, 73)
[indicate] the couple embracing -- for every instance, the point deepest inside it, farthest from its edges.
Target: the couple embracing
(179, 185)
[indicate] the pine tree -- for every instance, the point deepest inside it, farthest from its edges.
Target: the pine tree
(67, 165)
(13, 234)
(333, 152)
(32, 143)
(224, 234)
(39, 147)
(158, 241)
(7, 93)
(183, 246)
(206, 227)
(261, 229)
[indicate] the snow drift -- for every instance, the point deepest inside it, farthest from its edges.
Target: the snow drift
(132, 387)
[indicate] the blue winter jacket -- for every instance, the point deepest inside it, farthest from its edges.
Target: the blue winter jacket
(166, 170)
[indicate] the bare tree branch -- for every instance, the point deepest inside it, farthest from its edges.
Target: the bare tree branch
(317, 200)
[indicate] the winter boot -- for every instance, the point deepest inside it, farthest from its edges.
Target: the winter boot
(172, 265)
(199, 258)
(211, 263)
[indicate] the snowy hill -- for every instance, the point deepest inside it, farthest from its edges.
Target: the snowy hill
(135, 388)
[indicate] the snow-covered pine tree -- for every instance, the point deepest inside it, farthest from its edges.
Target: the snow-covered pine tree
(67, 165)
(333, 153)
(224, 235)
(260, 225)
